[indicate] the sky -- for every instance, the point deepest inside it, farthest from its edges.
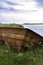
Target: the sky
(21, 11)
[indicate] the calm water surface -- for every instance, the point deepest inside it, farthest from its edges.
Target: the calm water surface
(36, 28)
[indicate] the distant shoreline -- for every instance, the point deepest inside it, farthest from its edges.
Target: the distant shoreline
(33, 24)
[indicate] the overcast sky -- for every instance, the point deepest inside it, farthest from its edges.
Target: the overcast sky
(21, 11)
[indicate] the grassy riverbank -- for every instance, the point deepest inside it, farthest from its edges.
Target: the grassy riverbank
(11, 25)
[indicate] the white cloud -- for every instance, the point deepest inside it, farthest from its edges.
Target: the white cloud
(28, 12)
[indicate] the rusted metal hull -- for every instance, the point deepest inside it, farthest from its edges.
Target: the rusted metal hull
(19, 38)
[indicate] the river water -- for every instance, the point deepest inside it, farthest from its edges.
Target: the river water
(36, 28)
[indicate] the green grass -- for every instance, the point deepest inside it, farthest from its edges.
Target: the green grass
(33, 56)
(11, 25)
